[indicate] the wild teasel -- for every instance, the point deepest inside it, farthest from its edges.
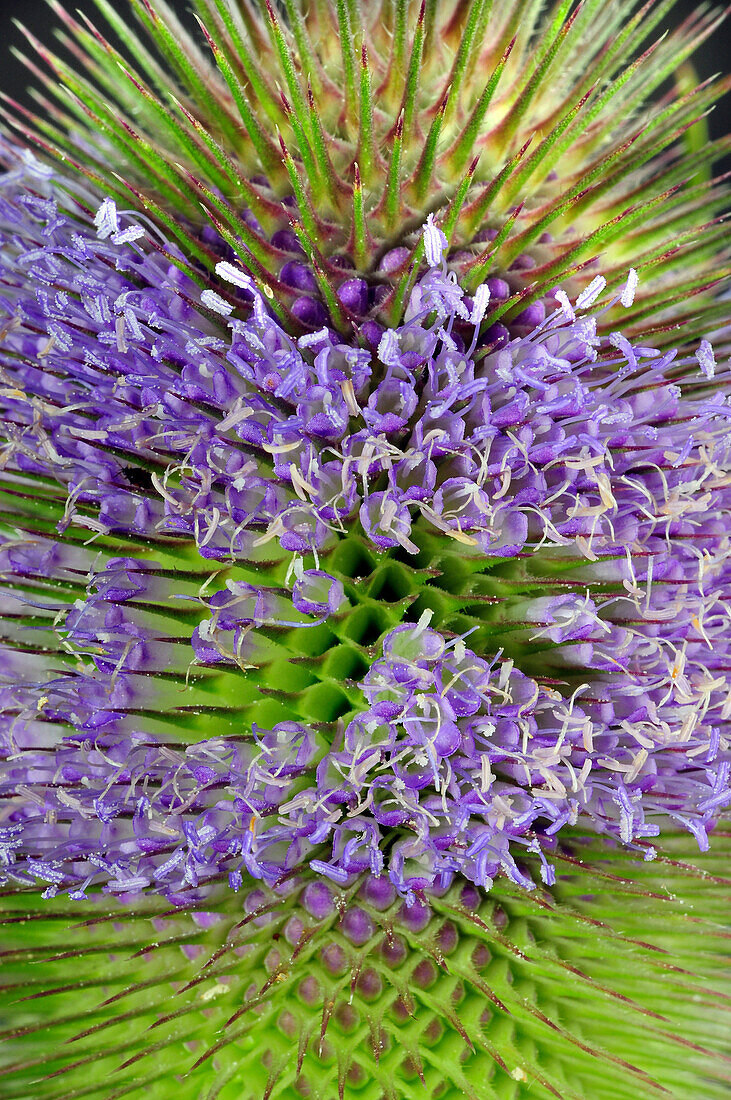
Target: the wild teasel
(365, 622)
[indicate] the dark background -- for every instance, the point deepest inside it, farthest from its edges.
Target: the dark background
(712, 58)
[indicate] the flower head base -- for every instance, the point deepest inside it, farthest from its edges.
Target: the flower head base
(540, 640)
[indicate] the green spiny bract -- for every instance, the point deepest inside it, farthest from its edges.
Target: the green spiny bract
(606, 987)
(530, 132)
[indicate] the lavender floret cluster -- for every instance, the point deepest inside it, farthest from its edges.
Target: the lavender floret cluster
(601, 466)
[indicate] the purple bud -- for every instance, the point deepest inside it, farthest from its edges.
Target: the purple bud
(424, 974)
(357, 926)
(524, 262)
(499, 289)
(485, 235)
(447, 938)
(470, 897)
(310, 311)
(416, 916)
(334, 959)
(378, 892)
(369, 984)
(288, 1024)
(393, 951)
(287, 241)
(347, 1017)
(532, 315)
(211, 236)
(293, 930)
(308, 990)
(394, 259)
(372, 332)
(353, 293)
(298, 276)
(318, 900)
(496, 336)
(342, 261)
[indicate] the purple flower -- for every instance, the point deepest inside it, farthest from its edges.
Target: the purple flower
(194, 488)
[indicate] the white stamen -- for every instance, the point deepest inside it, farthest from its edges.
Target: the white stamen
(628, 294)
(214, 301)
(435, 243)
(706, 359)
(566, 308)
(131, 233)
(481, 301)
(591, 293)
(234, 275)
(106, 219)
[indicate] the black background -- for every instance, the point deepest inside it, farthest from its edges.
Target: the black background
(37, 16)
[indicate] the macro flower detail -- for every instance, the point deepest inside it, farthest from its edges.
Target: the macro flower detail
(365, 561)
(556, 453)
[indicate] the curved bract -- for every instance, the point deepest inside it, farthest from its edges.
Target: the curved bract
(310, 140)
(607, 986)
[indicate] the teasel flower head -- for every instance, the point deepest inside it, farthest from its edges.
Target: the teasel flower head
(365, 559)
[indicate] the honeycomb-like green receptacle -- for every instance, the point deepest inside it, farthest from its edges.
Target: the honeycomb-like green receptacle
(609, 986)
